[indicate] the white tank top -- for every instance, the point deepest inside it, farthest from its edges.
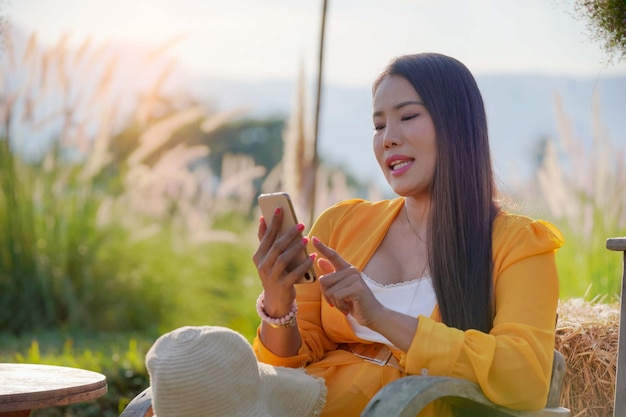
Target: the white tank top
(412, 298)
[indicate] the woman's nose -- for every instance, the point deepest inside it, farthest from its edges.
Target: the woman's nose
(392, 136)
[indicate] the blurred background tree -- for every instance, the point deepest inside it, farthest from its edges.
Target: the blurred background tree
(606, 21)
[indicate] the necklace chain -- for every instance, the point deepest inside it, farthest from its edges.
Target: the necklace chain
(406, 214)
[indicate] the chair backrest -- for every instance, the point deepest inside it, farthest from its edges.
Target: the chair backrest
(619, 408)
(556, 382)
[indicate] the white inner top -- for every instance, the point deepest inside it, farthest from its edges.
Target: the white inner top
(412, 298)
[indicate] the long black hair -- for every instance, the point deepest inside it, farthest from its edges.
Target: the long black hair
(463, 189)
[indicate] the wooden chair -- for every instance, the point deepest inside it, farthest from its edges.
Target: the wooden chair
(140, 406)
(619, 405)
(407, 396)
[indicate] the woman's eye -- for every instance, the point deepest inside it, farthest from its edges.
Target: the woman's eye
(409, 117)
(379, 127)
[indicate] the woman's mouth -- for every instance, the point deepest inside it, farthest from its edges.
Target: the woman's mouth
(399, 166)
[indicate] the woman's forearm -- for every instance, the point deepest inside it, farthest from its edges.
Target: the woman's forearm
(398, 328)
(282, 341)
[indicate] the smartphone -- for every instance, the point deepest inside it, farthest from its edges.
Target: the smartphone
(268, 203)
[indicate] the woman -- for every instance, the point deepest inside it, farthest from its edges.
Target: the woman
(439, 281)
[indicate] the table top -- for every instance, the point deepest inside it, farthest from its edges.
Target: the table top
(30, 386)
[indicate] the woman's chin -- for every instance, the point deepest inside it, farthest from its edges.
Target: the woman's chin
(399, 189)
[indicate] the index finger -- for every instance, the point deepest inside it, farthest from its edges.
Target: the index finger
(330, 254)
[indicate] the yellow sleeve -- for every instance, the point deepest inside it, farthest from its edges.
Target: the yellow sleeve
(513, 363)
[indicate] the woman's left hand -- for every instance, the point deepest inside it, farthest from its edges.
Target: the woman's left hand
(343, 286)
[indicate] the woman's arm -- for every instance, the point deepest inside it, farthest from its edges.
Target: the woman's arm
(305, 343)
(271, 258)
(513, 362)
(344, 288)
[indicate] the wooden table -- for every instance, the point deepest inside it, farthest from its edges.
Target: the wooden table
(24, 387)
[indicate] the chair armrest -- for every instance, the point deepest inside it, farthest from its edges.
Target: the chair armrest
(140, 406)
(407, 396)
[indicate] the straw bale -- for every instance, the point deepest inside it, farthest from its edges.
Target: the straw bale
(587, 336)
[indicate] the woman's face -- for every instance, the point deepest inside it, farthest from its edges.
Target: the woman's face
(405, 143)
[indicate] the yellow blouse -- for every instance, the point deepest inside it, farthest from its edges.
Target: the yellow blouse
(512, 363)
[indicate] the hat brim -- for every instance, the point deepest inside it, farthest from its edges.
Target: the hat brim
(288, 392)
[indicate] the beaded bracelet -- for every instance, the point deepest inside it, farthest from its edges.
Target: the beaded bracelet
(286, 321)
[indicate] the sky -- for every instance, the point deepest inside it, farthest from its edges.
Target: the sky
(260, 39)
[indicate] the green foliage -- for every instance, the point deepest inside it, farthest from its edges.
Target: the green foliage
(586, 268)
(109, 227)
(120, 357)
(606, 20)
(58, 267)
(213, 283)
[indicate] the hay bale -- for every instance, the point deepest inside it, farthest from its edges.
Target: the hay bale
(587, 335)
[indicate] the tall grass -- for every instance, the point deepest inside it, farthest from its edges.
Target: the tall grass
(50, 247)
(584, 193)
(102, 217)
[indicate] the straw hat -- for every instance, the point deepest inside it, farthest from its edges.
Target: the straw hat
(212, 371)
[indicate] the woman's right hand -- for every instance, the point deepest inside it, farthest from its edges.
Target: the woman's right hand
(271, 258)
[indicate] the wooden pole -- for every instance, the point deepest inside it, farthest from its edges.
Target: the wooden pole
(619, 406)
(315, 158)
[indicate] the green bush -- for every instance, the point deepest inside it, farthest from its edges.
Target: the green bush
(120, 357)
(115, 224)
(57, 268)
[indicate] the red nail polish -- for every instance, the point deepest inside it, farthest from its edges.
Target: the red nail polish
(315, 240)
(300, 227)
(313, 256)
(277, 211)
(305, 240)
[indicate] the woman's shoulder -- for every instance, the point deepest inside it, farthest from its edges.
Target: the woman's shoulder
(511, 223)
(517, 236)
(352, 216)
(358, 206)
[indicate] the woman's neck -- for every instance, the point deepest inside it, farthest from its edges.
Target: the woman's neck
(417, 214)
